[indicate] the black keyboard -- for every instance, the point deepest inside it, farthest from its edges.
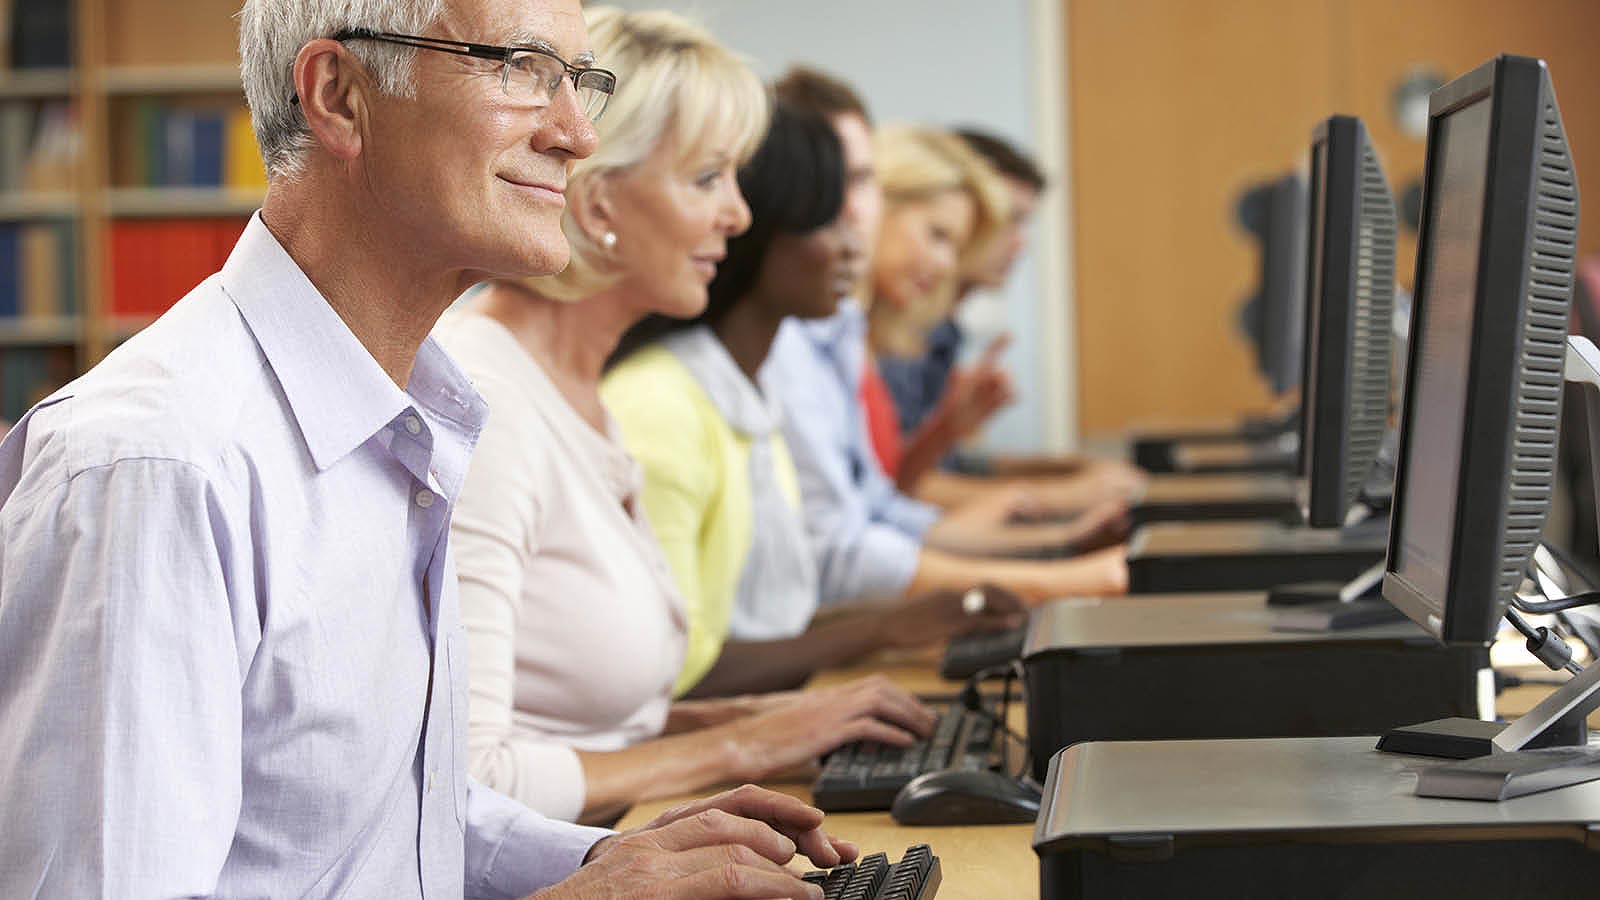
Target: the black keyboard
(915, 877)
(866, 775)
(969, 654)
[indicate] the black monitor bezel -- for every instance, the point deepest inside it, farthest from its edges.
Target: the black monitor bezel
(1326, 412)
(1473, 605)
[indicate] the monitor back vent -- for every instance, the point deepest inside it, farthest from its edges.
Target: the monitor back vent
(1554, 245)
(1371, 362)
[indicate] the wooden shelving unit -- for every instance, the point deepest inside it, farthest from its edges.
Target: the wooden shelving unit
(197, 79)
(64, 331)
(26, 206)
(37, 83)
(181, 52)
(147, 203)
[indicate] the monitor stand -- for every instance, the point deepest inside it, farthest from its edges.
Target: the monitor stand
(1471, 738)
(1317, 606)
(1509, 759)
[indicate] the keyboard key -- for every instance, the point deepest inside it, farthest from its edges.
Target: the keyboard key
(915, 877)
(866, 776)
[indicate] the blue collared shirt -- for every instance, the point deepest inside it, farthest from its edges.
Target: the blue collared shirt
(916, 382)
(230, 657)
(866, 535)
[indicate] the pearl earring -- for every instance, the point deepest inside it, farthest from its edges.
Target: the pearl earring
(609, 240)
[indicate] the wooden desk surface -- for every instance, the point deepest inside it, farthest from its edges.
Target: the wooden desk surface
(979, 862)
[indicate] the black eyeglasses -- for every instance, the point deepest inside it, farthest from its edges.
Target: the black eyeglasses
(527, 74)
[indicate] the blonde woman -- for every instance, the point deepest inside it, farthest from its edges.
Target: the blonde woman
(945, 210)
(576, 626)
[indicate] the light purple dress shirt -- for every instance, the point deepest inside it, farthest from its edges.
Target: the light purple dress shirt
(231, 662)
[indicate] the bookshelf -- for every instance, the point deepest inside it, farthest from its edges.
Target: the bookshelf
(144, 178)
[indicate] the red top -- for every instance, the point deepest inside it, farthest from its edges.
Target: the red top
(883, 422)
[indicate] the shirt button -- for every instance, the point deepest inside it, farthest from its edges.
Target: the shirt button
(424, 498)
(413, 424)
(429, 788)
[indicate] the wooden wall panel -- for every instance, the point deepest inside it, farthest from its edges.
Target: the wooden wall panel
(1386, 38)
(1174, 107)
(171, 32)
(1176, 104)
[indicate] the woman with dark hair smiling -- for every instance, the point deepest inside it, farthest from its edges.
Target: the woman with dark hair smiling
(720, 489)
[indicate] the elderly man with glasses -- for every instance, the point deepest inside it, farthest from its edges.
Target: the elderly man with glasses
(230, 656)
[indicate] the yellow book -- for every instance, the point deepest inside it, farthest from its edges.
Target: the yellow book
(41, 279)
(241, 166)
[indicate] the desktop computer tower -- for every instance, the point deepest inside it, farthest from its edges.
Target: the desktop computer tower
(1212, 666)
(1214, 498)
(1311, 819)
(1166, 558)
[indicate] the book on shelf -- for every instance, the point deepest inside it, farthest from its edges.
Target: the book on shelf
(57, 145)
(39, 33)
(168, 143)
(242, 167)
(38, 270)
(41, 144)
(154, 262)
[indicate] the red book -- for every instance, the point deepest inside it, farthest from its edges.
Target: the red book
(154, 262)
(129, 261)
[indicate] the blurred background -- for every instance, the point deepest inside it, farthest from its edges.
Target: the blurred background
(127, 168)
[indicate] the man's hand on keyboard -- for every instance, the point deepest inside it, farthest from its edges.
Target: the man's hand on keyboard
(728, 847)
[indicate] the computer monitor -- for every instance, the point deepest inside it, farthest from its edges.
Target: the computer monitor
(1349, 304)
(1488, 343)
(1274, 317)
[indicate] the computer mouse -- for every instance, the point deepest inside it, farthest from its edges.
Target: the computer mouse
(957, 797)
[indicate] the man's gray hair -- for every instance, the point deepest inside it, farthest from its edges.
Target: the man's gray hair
(271, 33)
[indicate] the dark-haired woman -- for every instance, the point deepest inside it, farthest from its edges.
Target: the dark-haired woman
(720, 489)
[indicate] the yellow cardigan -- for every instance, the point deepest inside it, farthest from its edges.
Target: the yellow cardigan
(696, 489)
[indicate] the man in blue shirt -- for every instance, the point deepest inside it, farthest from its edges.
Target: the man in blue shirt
(231, 661)
(871, 540)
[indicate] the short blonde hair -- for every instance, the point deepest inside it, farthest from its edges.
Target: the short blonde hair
(675, 86)
(916, 164)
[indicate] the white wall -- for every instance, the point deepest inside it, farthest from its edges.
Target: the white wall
(948, 63)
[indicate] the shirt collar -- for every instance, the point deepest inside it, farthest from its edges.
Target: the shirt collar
(846, 324)
(841, 338)
(752, 412)
(340, 397)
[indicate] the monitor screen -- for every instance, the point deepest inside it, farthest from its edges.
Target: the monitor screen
(1446, 291)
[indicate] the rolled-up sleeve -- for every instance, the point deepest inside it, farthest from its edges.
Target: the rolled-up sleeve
(121, 659)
